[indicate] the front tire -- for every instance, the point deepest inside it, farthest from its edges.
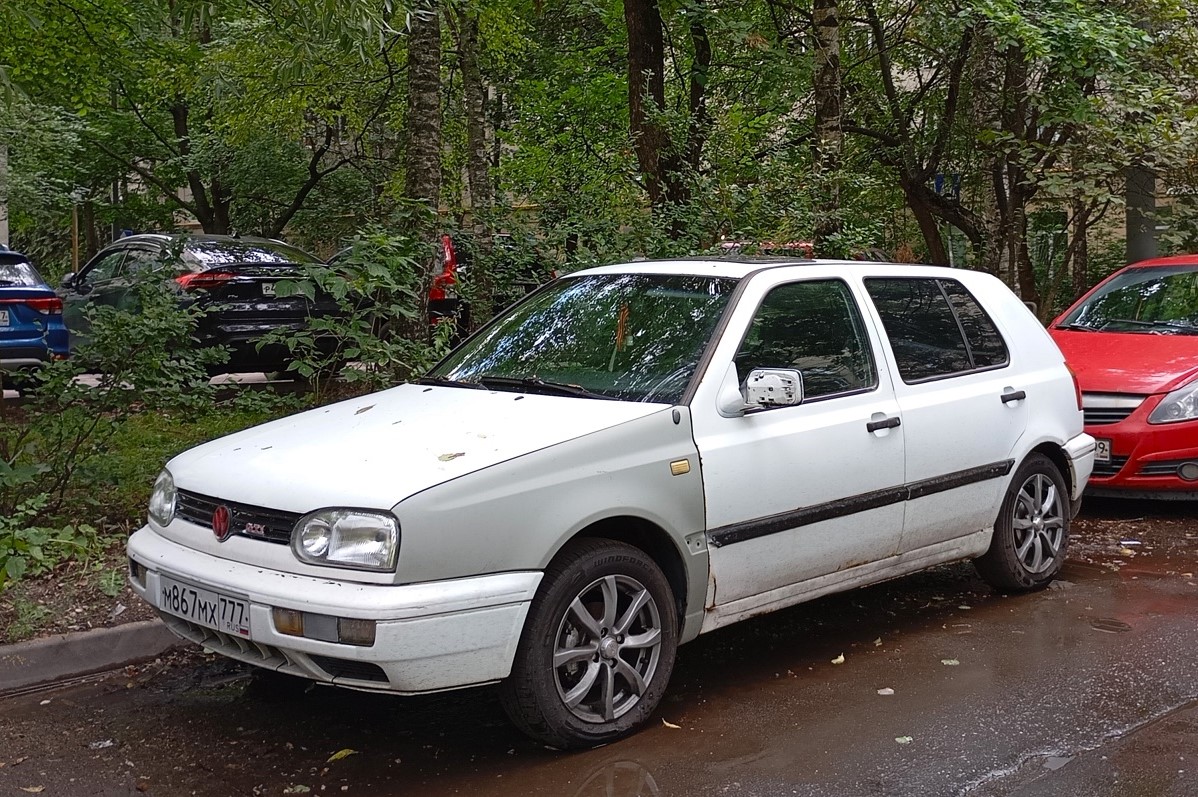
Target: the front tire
(1031, 534)
(597, 648)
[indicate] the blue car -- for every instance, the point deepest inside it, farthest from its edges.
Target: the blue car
(31, 325)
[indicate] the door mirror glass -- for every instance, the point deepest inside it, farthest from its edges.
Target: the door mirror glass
(773, 387)
(68, 281)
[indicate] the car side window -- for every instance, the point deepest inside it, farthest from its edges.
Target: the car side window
(141, 262)
(936, 328)
(105, 268)
(814, 327)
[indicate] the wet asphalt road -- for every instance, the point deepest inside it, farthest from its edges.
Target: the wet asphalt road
(1089, 689)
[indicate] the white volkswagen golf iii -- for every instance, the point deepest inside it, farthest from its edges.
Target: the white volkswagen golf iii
(628, 458)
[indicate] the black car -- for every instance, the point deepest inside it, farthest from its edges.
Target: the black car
(232, 278)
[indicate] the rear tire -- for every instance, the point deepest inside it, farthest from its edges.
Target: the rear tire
(597, 648)
(1031, 534)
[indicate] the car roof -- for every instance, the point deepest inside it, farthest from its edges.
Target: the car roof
(740, 267)
(163, 237)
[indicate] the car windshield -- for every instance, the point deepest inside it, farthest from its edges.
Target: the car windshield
(17, 272)
(632, 337)
(1156, 300)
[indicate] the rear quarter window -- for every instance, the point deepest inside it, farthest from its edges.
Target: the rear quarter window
(936, 328)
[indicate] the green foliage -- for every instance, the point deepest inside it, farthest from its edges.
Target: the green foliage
(30, 550)
(376, 340)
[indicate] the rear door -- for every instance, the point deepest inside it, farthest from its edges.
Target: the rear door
(964, 407)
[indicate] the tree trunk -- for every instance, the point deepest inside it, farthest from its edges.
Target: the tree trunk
(478, 161)
(829, 136)
(422, 175)
(660, 165)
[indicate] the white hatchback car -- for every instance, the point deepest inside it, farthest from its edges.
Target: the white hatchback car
(630, 457)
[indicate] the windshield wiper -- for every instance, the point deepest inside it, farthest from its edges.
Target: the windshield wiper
(441, 381)
(535, 383)
(1075, 327)
(1184, 329)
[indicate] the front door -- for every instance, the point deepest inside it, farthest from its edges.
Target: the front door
(97, 283)
(801, 492)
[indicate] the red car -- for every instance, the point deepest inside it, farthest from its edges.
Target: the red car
(1132, 342)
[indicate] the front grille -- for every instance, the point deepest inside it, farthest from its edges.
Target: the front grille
(1103, 409)
(1112, 468)
(255, 522)
(1106, 416)
(1166, 467)
(347, 668)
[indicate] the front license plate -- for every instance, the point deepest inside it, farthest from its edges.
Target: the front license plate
(268, 289)
(204, 606)
(4, 318)
(1102, 450)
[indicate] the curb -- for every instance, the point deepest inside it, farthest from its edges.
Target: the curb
(62, 656)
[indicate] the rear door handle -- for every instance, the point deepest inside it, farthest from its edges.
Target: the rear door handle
(1014, 395)
(885, 423)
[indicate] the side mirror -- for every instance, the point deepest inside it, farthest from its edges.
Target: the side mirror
(764, 389)
(68, 281)
(774, 387)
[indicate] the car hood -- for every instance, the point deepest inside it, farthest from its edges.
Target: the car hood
(375, 451)
(1121, 362)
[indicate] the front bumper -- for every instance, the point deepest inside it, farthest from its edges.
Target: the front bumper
(1147, 459)
(429, 637)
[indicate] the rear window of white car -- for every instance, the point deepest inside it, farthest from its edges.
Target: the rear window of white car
(936, 328)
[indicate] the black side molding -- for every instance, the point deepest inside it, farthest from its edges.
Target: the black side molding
(805, 516)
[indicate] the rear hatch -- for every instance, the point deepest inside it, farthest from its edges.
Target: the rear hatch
(26, 307)
(237, 281)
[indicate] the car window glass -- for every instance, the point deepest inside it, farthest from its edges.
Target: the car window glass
(18, 273)
(106, 267)
(632, 337)
(814, 327)
(923, 331)
(141, 262)
(1156, 300)
(986, 345)
(204, 254)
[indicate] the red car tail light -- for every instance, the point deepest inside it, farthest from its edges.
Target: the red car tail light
(204, 280)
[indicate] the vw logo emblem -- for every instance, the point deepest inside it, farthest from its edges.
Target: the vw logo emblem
(221, 522)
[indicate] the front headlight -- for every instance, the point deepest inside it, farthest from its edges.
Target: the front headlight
(354, 538)
(163, 499)
(1180, 405)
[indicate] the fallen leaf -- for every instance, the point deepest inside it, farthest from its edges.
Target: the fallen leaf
(878, 642)
(101, 744)
(949, 662)
(1126, 552)
(299, 788)
(33, 789)
(364, 409)
(839, 659)
(903, 739)
(886, 691)
(963, 606)
(669, 724)
(44, 703)
(340, 754)
(449, 457)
